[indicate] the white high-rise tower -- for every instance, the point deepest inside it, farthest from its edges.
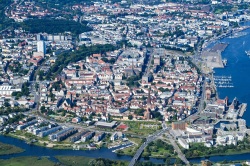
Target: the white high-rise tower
(41, 47)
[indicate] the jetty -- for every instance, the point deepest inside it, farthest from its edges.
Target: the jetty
(242, 109)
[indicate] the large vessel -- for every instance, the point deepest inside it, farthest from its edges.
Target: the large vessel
(248, 52)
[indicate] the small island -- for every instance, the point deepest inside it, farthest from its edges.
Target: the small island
(6, 149)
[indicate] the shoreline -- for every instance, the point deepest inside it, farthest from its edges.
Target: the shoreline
(204, 46)
(205, 50)
(152, 157)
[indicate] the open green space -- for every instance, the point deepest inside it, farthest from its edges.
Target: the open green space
(141, 128)
(52, 26)
(79, 160)
(25, 161)
(4, 20)
(159, 149)
(73, 160)
(9, 149)
(136, 140)
(128, 151)
(132, 149)
(156, 149)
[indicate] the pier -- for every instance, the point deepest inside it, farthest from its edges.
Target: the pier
(243, 108)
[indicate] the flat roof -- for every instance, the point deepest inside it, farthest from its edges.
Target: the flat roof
(105, 124)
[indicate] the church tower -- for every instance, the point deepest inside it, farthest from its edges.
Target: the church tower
(147, 114)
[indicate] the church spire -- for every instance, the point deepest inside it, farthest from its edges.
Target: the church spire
(147, 113)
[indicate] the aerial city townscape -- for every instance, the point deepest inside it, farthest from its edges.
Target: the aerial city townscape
(124, 82)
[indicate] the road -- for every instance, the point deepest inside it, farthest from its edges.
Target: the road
(171, 139)
(148, 140)
(147, 71)
(201, 104)
(177, 149)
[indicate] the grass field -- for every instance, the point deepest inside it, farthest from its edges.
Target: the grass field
(27, 161)
(138, 127)
(9, 149)
(73, 160)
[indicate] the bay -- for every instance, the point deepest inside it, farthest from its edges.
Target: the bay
(238, 67)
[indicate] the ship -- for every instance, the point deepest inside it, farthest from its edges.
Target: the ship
(248, 52)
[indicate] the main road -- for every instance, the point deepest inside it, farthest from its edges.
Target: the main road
(149, 139)
(201, 104)
(177, 149)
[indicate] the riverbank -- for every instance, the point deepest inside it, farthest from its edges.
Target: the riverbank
(77, 160)
(41, 143)
(6, 149)
(24, 161)
(158, 154)
(58, 160)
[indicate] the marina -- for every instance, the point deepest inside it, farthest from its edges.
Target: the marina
(123, 147)
(223, 81)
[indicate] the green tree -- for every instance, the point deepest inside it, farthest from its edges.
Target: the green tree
(130, 117)
(43, 109)
(6, 104)
(178, 161)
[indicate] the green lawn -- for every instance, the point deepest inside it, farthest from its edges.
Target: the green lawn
(159, 149)
(27, 161)
(135, 140)
(137, 128)
(9, 149)
(128, 151)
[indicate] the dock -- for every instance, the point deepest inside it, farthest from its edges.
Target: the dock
(243, 108)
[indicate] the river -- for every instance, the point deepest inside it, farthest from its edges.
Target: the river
(33, 150)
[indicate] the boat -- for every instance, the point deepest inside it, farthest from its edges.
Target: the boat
(224, 61)
(248, 52)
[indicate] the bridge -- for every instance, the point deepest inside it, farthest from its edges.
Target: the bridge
(148, 140)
